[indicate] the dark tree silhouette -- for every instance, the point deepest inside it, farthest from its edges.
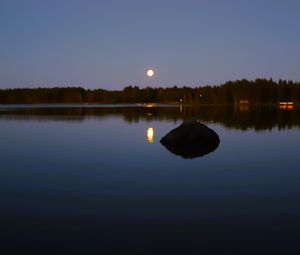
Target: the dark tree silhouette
(259, 91)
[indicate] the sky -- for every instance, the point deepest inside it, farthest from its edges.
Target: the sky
(111, 43)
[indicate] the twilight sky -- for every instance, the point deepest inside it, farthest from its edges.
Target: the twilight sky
(111, 43)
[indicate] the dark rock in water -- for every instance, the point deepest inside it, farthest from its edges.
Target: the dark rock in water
(191, 139)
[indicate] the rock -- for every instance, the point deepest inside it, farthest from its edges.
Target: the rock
(191, 139)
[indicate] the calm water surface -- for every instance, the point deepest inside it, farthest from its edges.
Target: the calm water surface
(97, 180)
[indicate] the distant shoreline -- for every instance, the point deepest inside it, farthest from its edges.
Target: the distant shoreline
(91, 105)
(240, 92)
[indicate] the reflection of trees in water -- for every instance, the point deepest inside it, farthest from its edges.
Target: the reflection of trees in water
(259, 118)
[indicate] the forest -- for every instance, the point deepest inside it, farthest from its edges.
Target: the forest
(259, 91)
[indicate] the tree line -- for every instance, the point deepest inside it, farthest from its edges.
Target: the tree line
(259, 91)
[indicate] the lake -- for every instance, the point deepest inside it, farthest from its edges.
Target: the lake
(96, 180)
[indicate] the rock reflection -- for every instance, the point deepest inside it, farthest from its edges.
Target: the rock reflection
(191, 139)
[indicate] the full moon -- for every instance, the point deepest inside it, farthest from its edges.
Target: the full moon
(150, 73)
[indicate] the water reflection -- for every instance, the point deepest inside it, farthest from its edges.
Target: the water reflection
(258, 118)
(121, 191)
(150, 135)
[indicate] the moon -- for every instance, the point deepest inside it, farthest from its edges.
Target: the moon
(150, 72)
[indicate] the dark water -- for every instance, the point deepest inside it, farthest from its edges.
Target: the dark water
(88, 180)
